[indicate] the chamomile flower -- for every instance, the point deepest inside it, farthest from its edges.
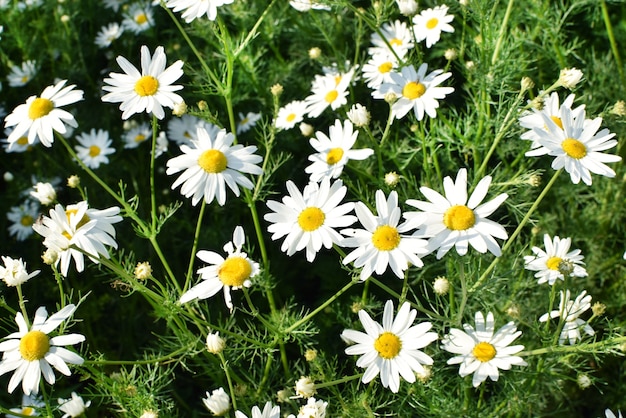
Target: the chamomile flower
(334, 151)
(577, 146)
(94, 147)
(107, 34)
(328, 90)
(556, 261)
(211, 163)
(247, 121)
(290, 114)
(314, 408)
(30, 351)
(232, 272)
(381, 244)
(138, 18)
(569, 312)
(454, 220)
(23, 217)
(21, 75)
(395, 39)
(308, 219)
(73, 407)
(306, 5)
(45, 193)
(20, 145)
(137, 135)
(415, 91)
(39, 116)
(378, 68)
(481, 351)
(14, 272)
(218, 402)
(183, 129)
(86, 228)
(149, 90)
(430, 23)
(393, 348)
(269, 410)
(195, 9)
(30, 404)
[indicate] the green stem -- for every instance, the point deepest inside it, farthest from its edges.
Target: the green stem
(338, 381)
(153, 211)
(414, 305)
(611, 35)
(194, 247)
(507, 15)
(231, 388)
(578, 348)
(22, 304)
(157, 360)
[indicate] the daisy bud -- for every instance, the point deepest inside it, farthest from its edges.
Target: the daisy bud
(470, 65)
(306, 129)
(149, 414)
(179, 109)
(569, 77)
(45, 193)
(202, 105)
(282, 396)
(240, 390)
(276, 90)
(407, 7)
(527, 83)
(310, 354)
(464, 2)
(214, 343)
(390, 97)
(73, 181)
(513, 311)
(359, 115)
(143, 270)
(598, 309)
(450, 54)
(218, 402)
(356, 307)
(537, 103)
(424, 376)
(441, 285)
(619, 108)
(535, 230)
(8, 176)
(50, 256)
(535, 180)
(583, 381)
(305, 387)
(392, 178)
(65, 19)
(314, 53)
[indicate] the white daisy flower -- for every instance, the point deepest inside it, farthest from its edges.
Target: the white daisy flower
(45, 193)
(415, 90)
(30, 352)
(247, 121)
(14, 272)
(21, 75)
(107, 34)
(430, 23)
(455, 220)
(308, 219)
(30, 404)
(313, 409)
(183, 129)
(552, 109)
(334, 153)
(378, 68)
(481, 351)
(290, 114)
(328, 90)
(396, 37)
(73, 407)
(39, 116)
(556, 261)
(113, 4)
(381, 244)
(19, 145)
(210, 164)
(94, 147)
(407, 7)
(217, 402)
(577, 147)
(569, 312)
(359, 115)
(138, 18)
(232, 272)
(195, 9)
(23, 217)
(393, 348)
(306, 5)
(137, 135)
(148, 91)
(269, 410)
(569, 77)
(80, 226)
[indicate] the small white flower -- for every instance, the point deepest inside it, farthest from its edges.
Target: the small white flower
(21, 75)
(23, 217)
(430, 23)
(569, 77)
(137, 135)
(73, 407)
(306, 5)
(290, 114)
(108, 34)
(14, 272)
(313, 409)
(195, 9)
(305, 387)
(359, 115)
(395, 40)
(328, 90)
(556, 261)
(407, 7)
(218, 402)
(569, 312)
(138, 18)
(94, 147)
(269, 411)
(44, 193)
(247, 121)
(441, 286)
(29, 405)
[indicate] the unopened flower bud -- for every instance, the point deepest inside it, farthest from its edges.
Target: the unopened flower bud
(73, 181)
(143, 270)
(203, 106)
(407, 7)
(310, 354)
(450, 54)
(598, 309)
(306, 129)
(50, 256)
(392, 178)
(569, 77)
(527, 83)
(8, 176)
(45, 193)
(441, 285)
(276, 89)
(535, 180)
(619, 108)
(149, 414)
(390, 97)
(179, 109)
(583, 381)
(214, 343)
(315, 53)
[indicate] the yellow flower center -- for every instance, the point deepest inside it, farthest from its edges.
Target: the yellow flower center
(459, 218)
(553, 263)
(24, 79)
(40, 107)
(395, 42)
(484, 351)
(140, 138)
(334, 156)
(94, 151)
(413, 90)
(331, 96)
(432, 23)
(574, 148)
(213, 161)
(22, 140)
(388, 345)
(26, 220)
(34, 345)
(83, 221)
(385, 238)
(385, 67)
(290, 117)
(28, 410)
(141, 18)
(234, 271)
(557, 120)
(311, 219)
(146, 86)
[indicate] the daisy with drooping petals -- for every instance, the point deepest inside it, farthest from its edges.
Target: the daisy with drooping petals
(269, 411)
(247, 121)
(381, 244)
(308, 219)
(108, 34)
(148, 91)
(210, 164)
(234, 272)
(455, 220)
(23, 218)
(556, 261)
(328, 90)
(334, 153)
(14, 272)
(20, 76)
(31, 352)
(195, 9)
(430, 23)
(39, 116)
(415, 90)
(94, 147)
(290, 114)
(73, 407)
(577, 146)
(481, 351)
(218, 402)
(569, 312)
(393, 348)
